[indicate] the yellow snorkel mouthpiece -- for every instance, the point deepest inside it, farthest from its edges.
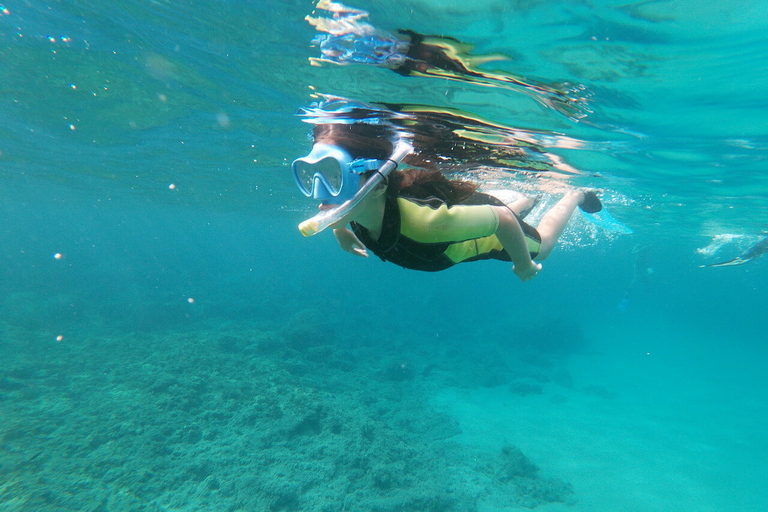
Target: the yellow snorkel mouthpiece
(328, 217)
(309, 227)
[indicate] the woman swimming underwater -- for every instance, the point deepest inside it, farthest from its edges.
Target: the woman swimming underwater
(414, 216)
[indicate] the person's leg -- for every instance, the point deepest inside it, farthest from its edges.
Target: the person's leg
(521, 204)
(554, 221)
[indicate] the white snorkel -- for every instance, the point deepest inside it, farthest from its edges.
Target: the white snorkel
(329, 217)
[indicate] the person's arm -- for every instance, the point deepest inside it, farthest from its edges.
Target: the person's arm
(511, 236)
(430, 224)
(349, 242)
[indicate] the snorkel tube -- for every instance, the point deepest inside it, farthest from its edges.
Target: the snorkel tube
(328, 217)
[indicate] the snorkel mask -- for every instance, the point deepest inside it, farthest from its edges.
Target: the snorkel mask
(328, 173)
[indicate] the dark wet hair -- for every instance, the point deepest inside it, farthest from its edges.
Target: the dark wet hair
(364, 140)
(423, 184)
(361, 140)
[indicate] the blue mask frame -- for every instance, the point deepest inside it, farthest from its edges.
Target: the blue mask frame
(329, 174)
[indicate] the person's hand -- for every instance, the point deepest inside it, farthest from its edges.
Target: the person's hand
(527, 273)
(349, 242)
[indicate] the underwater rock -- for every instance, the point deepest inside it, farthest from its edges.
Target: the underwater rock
(563, 377)
(494, 378)
(310, 424)
(282, 496)
(515, 471)
(427, 371)
(10, 385)
(230, 344)
(163, 384)
(526, 388)
(307, 329)
(386, 476)
(601, 392)
(514, 464)
(398, 371)
(285, 430)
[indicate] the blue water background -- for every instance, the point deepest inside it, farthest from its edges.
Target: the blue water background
(104, 105)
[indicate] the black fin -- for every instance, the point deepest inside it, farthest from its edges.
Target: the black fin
(591, 203)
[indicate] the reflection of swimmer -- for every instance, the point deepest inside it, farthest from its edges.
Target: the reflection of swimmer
(482, 142)
(418, 218)
(350, 40)
(750, 254)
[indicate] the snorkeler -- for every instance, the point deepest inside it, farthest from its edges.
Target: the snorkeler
(750, 254)
(416, 217)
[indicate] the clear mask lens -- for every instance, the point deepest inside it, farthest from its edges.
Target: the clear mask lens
(328, 167)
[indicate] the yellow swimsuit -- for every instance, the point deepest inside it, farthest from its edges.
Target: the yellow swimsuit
(429, 235)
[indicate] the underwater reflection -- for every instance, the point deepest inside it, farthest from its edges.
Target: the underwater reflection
(348, 39)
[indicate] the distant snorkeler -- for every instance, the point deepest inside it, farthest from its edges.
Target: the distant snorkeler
(750, 254)
(377, 174)
(350, 40)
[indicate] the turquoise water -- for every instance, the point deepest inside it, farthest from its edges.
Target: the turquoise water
(188, 350)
